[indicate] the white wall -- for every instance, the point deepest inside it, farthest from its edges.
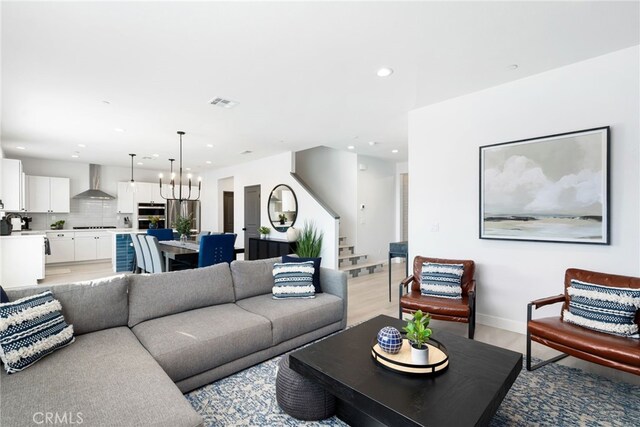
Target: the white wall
(268, 173)
(401, 168)
(332, 174)
(376, 222)
(443, 164)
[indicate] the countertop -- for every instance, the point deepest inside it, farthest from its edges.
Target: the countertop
(71, 230)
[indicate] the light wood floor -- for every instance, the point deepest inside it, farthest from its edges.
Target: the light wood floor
(369, 297)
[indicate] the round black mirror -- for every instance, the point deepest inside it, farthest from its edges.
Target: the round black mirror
(282, 207)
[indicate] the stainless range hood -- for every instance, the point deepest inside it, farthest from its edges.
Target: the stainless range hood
(94, 191)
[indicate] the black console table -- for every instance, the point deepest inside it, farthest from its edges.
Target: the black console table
(397, 250)
(269, 248)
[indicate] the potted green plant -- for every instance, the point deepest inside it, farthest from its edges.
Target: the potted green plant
(309, 241)
(183, 226)
(283, 218)
(153, 222)
(264, 231)
(418, 334)
(58, 225)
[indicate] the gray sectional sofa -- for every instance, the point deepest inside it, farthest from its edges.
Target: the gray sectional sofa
(143, 340)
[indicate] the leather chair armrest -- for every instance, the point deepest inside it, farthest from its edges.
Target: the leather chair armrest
(472, 288)
(548, 300)
(405, 284)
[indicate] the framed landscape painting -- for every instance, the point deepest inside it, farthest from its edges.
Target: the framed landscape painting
(552, 188)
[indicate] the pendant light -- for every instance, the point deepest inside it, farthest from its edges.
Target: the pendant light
(132, 183)
(172, 183)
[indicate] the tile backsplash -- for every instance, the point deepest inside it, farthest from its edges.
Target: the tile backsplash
(84, 212)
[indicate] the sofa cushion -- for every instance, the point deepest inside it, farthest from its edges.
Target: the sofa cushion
(192, 342)
(90, 306)
(605, 309)
(441, 280)
(316, 266)
(105, 378)
(157, 295)
(293, 280)
(251, 278)
(31, 328)
(295, 317)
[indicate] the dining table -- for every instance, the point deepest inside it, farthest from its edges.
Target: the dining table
(183, 253)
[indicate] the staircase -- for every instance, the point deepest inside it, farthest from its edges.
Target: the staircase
(352, 263)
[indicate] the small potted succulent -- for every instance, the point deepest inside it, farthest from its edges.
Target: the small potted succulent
(264, 232)
(418, 334)
(153, 222)
(183, 226)
(283, 218)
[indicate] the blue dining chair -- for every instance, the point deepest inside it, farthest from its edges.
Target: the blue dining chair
(216, 248)
(161, 233)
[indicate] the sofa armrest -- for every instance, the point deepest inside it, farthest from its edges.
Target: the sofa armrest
(334, 282)
(548, 300)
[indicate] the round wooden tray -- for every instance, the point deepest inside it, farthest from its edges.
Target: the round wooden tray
(401, 362)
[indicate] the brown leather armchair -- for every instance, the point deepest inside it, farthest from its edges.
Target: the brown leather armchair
(572, 340)
(454, 310)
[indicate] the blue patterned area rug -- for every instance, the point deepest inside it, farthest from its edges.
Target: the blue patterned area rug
(551, 396)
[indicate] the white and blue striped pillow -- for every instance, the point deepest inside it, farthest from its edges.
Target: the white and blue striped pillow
(31, 328)
(293, 280)
(441, 280)
(603, 308)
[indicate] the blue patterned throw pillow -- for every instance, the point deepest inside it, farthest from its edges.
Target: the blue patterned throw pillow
(603, 308)
(441, 280)
(31, 328)
(293, 280)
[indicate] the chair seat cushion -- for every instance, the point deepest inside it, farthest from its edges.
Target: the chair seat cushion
(621, 349)
(414, 300)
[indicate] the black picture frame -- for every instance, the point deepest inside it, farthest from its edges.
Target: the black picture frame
(552, 188)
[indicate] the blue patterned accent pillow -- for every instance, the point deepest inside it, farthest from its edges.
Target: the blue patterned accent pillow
(31, 328)
(293, 280)
(603, 308)
(441, 280)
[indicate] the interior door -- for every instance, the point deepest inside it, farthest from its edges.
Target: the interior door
(251, 213)
(227, 212)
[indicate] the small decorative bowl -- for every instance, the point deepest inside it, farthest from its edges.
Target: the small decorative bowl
(390, 339)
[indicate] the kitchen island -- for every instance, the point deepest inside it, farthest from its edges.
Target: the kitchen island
(22, 259)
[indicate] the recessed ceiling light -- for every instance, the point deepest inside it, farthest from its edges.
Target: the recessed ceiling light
(394, 151)
(118, 130)
(208, 162)
(81, 145)
(209, 145)
(106, 102)
(20, 148)
(384, 72)
(372, 143)
(188, 169)
(139, 163)
(247, 152)
(351, 147)
(75, 156)
(513, 67)
(156, 155)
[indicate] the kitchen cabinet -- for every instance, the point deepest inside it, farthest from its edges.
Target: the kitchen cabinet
(92, 245)
(48, 194)
(125, 204)
(22, 258)
(147, 192)
(62, 247)
(12, 185)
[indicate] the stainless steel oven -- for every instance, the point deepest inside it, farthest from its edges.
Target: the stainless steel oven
(146, 211)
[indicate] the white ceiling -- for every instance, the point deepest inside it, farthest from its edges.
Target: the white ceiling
(304, 73)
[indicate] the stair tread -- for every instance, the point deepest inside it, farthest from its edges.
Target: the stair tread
(351, 256)
(365, 265)
(345, 246)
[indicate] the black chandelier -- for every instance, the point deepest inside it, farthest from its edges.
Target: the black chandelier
(172, 182)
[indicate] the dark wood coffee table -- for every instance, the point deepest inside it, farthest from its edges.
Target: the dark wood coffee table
(468, 393)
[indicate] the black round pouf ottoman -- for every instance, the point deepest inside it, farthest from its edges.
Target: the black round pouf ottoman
(300, 397)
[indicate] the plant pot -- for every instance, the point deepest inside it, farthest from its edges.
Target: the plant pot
(420, 355)
(153, 226)
(264, 236)
(183, 238)
(292, 234)
(282, 222)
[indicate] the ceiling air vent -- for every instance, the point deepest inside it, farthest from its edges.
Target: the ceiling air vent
(223, 103)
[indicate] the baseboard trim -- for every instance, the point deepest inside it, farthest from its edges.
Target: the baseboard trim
(502, 323)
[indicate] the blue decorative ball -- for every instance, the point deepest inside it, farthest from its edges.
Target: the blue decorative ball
(390, 339)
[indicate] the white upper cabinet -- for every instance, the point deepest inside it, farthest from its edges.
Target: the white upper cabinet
(48, 194)
(12, 190)
(125, 198)
(148, 192)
